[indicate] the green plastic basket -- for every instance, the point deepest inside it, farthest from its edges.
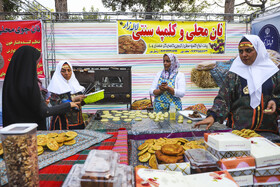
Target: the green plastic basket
(93, 97)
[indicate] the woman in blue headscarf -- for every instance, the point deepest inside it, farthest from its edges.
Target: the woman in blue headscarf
(169, 85)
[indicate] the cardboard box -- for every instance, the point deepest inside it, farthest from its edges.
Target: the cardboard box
(151, 177)
(227, 141)
(265, 152)
(267, 171)
(245, 180)
(267, 180)
(238, 166)
(211, 179)
(183, 167)
(226, 154)
(241, 169)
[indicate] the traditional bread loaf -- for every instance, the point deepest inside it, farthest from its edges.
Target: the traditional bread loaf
(166, 159)
(172, 149)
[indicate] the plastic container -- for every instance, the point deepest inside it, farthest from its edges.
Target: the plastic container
(99, 169)
(172, 112)
(20, 154)
(124, 177)
(201, 161)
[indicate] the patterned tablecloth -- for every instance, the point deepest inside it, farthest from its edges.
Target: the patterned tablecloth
(54, 172)
(133, 151)
(148, 128)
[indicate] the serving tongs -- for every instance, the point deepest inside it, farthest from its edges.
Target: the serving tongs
(88, 89)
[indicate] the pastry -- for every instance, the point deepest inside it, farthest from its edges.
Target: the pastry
(171, 149)
(167, 159)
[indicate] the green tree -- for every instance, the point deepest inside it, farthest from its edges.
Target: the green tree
(156, 6)
(91, 16)
(8, 6)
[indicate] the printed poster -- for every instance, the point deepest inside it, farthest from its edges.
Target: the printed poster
(14, 34)
(178, 37)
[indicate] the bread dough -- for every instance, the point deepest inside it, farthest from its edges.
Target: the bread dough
(180, 117)
(104, 120)
(116, 119)
(127, 120)
(138, 119)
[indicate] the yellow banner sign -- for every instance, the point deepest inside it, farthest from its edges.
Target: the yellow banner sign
(178, 37)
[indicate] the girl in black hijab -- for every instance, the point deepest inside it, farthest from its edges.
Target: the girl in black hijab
(22, 99)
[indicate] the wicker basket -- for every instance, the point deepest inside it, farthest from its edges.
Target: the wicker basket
(203, 78)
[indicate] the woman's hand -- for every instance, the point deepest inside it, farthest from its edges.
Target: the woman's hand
(164, 86)
(78, 98)
(209, 121)
(271, 108)
(74, 104)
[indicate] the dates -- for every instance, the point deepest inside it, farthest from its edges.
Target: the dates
(195, 114)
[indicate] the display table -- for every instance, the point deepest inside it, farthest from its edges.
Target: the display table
(147, 128)
(55, 174)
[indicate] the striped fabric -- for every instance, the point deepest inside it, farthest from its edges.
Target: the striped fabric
(85, 44)
(55, 174)
(121, 146)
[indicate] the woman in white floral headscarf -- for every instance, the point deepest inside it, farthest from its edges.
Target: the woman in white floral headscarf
(169, 85)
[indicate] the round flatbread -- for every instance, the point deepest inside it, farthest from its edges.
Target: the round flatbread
(142, 166)
(143, 146)
(71, 142)
(52, 135)
(116, 119)
(60, 139)
(69, 138)
(42, 140)
(145, 157)
(138, 119)
(144, 151)
(71, 133)
(1, 149)
(52, 144)
(40, 148)
(63, 134)
(153, 162)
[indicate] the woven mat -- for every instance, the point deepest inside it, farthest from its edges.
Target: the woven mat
(84, 140)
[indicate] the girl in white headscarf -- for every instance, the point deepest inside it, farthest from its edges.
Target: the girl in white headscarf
(249, 98)
(168, 85)
(64, 87)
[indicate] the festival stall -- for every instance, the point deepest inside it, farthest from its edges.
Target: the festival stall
(123, 147)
